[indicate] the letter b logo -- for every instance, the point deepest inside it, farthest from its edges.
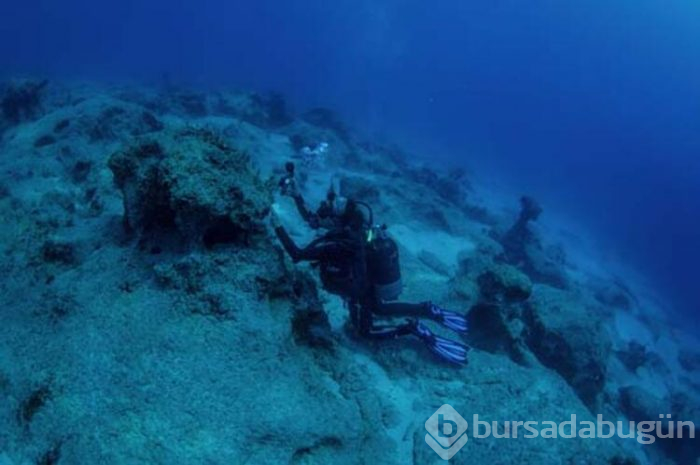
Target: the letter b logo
(446, 432)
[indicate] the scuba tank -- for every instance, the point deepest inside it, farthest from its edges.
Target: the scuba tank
(383, 268)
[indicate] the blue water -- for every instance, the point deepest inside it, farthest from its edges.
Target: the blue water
(592, 106)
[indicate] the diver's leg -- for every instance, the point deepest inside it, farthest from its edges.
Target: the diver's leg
(452, 351)
(363, 320)
(454, 321)
(389, 309)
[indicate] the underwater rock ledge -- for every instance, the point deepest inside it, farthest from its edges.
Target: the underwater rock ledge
(149, 315)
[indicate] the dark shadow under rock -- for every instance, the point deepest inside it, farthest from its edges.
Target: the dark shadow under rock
(497, 329)
(224, 231)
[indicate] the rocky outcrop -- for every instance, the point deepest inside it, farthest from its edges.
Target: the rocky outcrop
(192, 183)
(519, 235)
(523, 249)
(498, 329)
(497, 291)
(504, 283)
(21, 99)
(567, 335)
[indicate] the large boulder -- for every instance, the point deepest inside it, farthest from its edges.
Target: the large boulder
(192, 183)
(522, 248)
(498, 329)
(504, 283)
(497, 290)
(567, 334)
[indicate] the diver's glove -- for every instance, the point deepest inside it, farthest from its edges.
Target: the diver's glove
(451, 320)
(451, 351)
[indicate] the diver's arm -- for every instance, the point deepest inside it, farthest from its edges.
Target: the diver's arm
(312, 252)
(308, 216)
(289, 246)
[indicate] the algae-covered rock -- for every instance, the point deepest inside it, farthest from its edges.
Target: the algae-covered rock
(496, 290)
(190, 182)
(504, 283)
(470, 266)
(567, 335)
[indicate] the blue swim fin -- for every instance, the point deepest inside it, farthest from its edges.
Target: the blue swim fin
(451, 351)
(450, 320)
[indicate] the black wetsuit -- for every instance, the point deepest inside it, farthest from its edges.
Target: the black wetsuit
(342, 249)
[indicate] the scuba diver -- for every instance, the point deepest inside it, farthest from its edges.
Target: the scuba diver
(359, 262)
